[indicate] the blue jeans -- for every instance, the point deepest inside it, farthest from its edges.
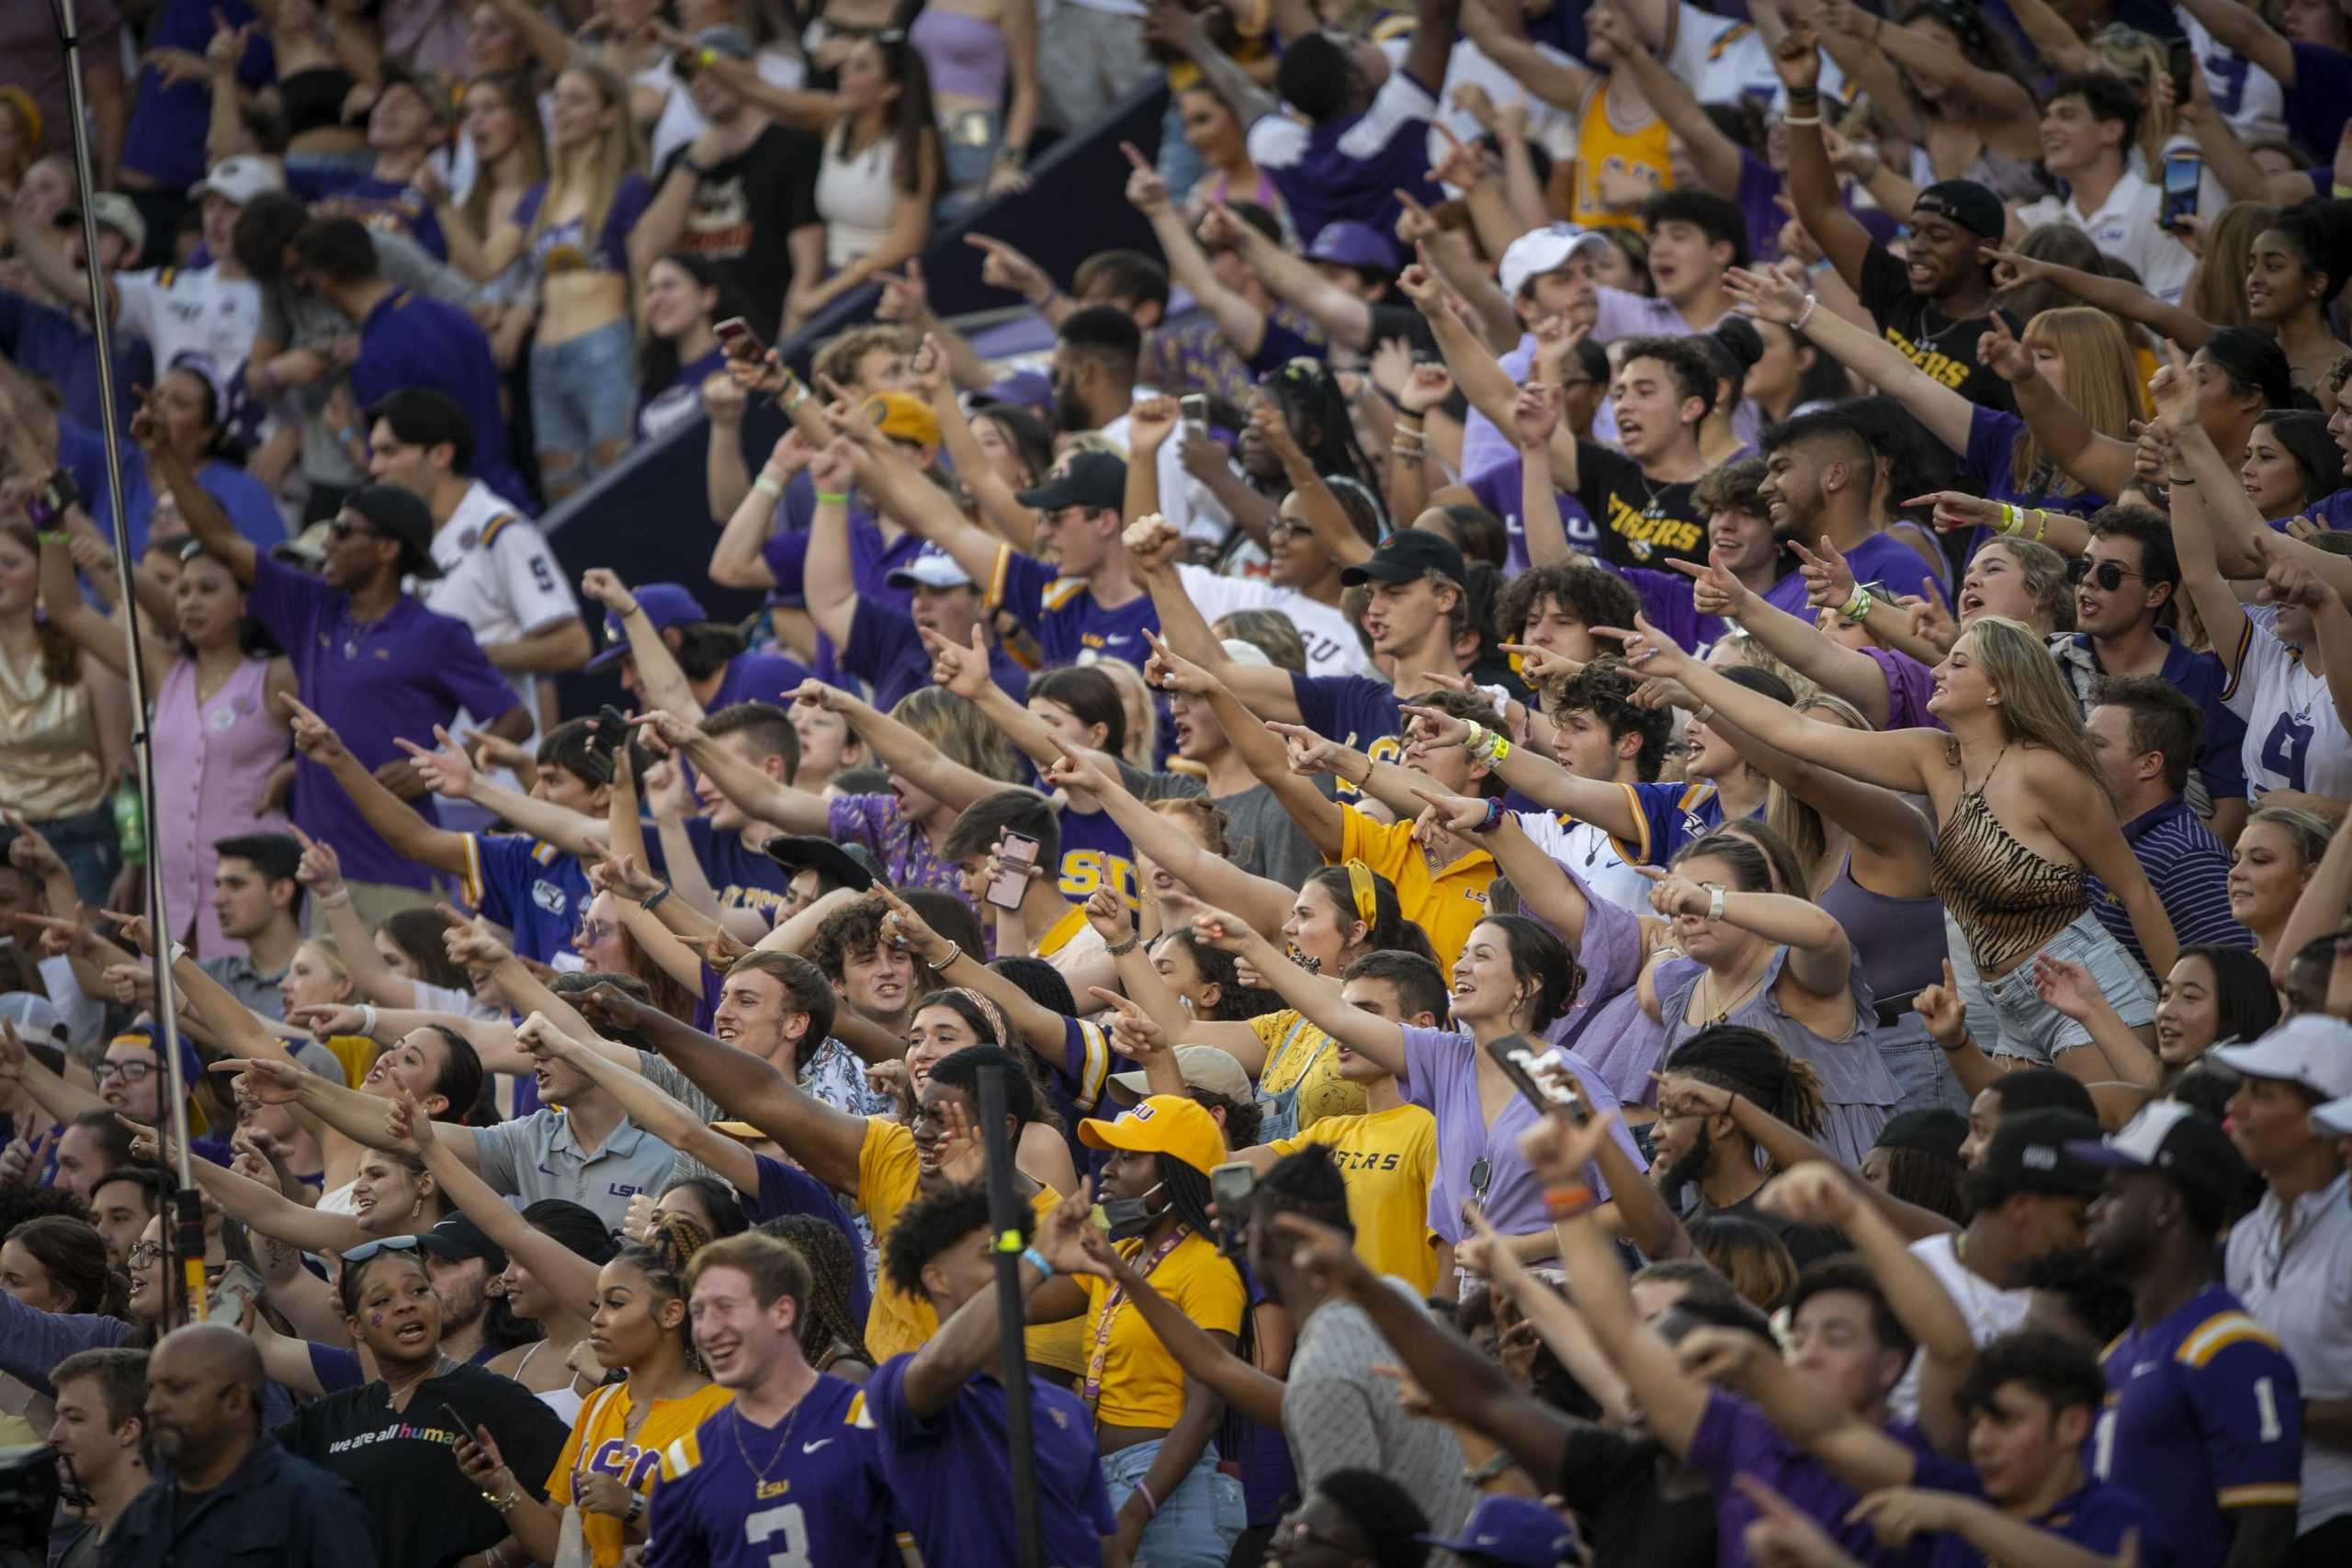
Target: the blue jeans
(1197, 1523)
(972, 139)
(90, 848)
(1917, 1064)
(584, 395)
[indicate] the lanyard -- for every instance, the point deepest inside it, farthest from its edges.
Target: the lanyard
(1111, 1305)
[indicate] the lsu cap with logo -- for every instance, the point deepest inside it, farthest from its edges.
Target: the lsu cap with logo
(1164, 1124)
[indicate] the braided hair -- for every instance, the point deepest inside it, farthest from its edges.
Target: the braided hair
(1751, 1062)
(670, 1244)
(829, 1329)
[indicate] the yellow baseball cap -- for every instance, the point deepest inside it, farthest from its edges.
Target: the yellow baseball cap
(1164, 1125)
(905, 416)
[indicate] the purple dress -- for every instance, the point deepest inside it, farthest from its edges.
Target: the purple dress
(1606, 1025)
(1858, 1093)
(211, 761)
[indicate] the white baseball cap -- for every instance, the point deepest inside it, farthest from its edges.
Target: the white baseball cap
(931, 568)
(239, 179)
(2312, 1050)
(1545, 250)
(2335, 1117)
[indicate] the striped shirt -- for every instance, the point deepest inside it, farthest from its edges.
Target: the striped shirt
(2190, 869)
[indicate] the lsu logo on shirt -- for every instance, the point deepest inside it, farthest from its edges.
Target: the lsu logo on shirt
(1083, 871)
(1940, 366)
(620, 1458)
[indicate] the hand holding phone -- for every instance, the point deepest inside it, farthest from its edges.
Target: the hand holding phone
(1520, 1057)
(736, 336)
(1015, 854)
(1230, 1185)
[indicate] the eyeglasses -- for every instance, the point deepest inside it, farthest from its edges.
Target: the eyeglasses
(129, 1072)
(2107, 574)
(596, 930)
(368, 1249)
(142, 1253)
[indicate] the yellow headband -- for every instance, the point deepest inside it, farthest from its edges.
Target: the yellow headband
(1360, 884)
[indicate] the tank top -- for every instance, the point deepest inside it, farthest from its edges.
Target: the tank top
(967, 53)
(1601, 145)
(1899, 942)
(212, 759)
(856, 194)
(1857, 1091)
(2007, 899)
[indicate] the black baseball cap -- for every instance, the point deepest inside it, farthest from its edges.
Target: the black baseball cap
(2035, 1151)
(2184, 1146)
(1091, 479)
(456, 1239)
(1966, 203)
(399, 513)
(1407, 555)
(843, 865)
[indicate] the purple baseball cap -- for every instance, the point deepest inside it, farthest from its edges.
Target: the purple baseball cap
(666, 604)
(1346, 243)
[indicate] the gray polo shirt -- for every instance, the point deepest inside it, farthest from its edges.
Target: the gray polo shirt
(538, 1157)
(2293, 1271)
(1342, 1414)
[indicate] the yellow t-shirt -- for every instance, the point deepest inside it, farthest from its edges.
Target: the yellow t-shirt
(1389, 1158)
(599, 1443)
(1142, 1384)
(887, 1167)
(1602, 145)
(1297, 1053)
(1447, 905)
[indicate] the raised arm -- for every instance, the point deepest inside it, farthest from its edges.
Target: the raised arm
(769, 800)
(1840, 671)
(1241, 323)
(2116, 295)
(896, 747)
(168, 472)
(410, 835)
(2238, 29)
(1777, 296)
(359, 1117)
(657, 673)
(1606, 805)
(825, 1142)
(2099, 463)
(1377, 1039)
(1899, 760)
(2077, 812)
(93, 634)
(1713, 155)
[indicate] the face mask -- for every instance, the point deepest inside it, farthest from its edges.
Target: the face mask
(1129, 1217)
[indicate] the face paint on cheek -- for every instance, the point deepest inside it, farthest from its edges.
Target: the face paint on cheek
(375, 1320)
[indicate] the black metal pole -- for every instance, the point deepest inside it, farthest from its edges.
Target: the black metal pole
(1004, 1223)
(185, 1235)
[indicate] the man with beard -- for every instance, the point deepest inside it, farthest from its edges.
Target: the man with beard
(1935, 300)
(1818, 475)
(2205, 1415)
(1703, 1162)
(1097, 359)
(224, 1489)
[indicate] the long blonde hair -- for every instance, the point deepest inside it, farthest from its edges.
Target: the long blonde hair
(615, 156)
(2102, 382)
(958, 729)
(2126, 52)
(2037, 705)
(514, 89)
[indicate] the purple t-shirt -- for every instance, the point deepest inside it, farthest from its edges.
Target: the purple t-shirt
(372, 682)
(631, 199)
(1733, 1437)
(1909, 684)
(788, 1190)
(1881, 562)
(1499, 489)
(1441, 1076)
(2319, 99)
(1992, 447)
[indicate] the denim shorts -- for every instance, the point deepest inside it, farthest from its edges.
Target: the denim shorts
(583, 391)
(1197, 1523)
(1917, 1064)
(971, 142)
(2032, 1028)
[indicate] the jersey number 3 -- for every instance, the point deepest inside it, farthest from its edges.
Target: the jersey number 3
(787, 1522)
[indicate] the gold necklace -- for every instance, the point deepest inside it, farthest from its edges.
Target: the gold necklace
(1722, 1014)
(784, 1430)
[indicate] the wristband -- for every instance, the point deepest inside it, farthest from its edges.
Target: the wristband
(2041, 524)
(1812, 119)
(832, 498)
(338, 901)
(637, 1499)
(1858, 607)
(53, 536)
(1036, 1259)
(367, 1018)
(955, 951)
(179, 951)
(2340, 190)
(1494, 817)
(1714, 901)
(1121, 949)
(1148, 1500)
(792, 395)
(1570, 1199)
(1811, 299)
(706, 58)
(1703, 715)
(768, 485)
(2010, 521)
(650, 905)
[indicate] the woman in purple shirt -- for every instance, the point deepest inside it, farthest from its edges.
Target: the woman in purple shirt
(1514, 977)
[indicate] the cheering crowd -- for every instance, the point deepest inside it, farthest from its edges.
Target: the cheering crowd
(1632, 778)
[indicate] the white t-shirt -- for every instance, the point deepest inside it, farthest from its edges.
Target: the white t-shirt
(2294, 737)
(1723, 61)
(499, 577)
(2243, 93)
(2125, 227)
(1332, 645)
(1183, 499)
(194, 314)
(1991, 1311)
(1592, 854)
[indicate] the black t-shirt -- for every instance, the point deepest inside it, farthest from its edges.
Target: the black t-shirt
(1943, 347)
(746, 208)
(1641, 521)
(403, 1465)
(1639, 1510)
(1805, 1243)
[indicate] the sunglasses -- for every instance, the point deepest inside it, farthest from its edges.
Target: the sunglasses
(339, 531)
(2107, 574)
(368, 1249)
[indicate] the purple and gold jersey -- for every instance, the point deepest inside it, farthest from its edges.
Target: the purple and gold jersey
(2203, 1415)
(806, 1493)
